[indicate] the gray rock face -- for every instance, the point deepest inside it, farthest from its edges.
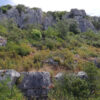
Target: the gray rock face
(80, 17)
(35, 84)
(85, 25)
(35, 16)
(48, 21)
(76, 12)
(29, 16)
(9, 74)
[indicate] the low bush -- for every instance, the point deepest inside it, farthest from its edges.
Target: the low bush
(5, 8)
(9, 93)
(70, 88)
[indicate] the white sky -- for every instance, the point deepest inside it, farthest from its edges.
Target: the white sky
(92, 7)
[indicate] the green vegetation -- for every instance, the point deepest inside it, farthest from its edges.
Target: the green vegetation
(9, 93)
(20, 8)
(58, 15)
(5, 8)
(72, 87)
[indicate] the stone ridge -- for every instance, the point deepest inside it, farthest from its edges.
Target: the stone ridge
(28, 16)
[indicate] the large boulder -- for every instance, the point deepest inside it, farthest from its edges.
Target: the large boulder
(35, 84)
(10, 75)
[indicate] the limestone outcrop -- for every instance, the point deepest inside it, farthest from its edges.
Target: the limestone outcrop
(35, 16)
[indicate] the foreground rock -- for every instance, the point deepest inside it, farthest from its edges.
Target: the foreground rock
(35, 84)
(82, 75)
(10, 75)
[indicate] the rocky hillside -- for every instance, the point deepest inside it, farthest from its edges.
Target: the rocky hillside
(53, 55)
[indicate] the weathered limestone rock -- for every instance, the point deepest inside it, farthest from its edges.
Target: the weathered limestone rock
(48, 21)
(76, 12)
(82, 75)
(83, 23)
(36, 16)
(35, 84)
(9, 74)
(26, 17)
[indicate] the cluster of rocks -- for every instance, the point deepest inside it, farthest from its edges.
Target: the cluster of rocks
(37, 16)
(32, 84)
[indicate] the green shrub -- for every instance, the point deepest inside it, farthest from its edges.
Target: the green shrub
(36, 34)
(70, 88)
(20, 8)
(62, 28)
(21, 49)
(8, 93)
(58, 15)
(92, 73)
(50, 33)
(3, 31)
(74, 28)
(5, 8)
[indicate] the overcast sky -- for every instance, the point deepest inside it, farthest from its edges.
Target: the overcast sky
(92, 7)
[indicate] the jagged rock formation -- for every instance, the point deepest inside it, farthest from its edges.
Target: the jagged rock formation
(24, 16)
(80, 16)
